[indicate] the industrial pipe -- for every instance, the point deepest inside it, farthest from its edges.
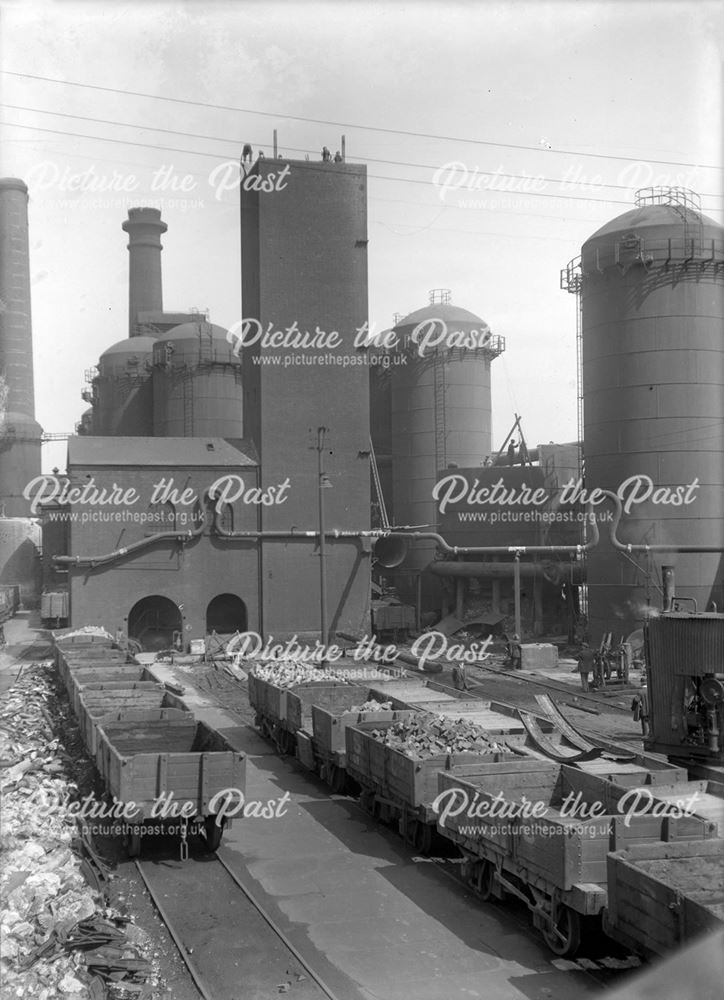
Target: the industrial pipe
(641, 546)
(143, 543)
(416, 536)
(501, 570)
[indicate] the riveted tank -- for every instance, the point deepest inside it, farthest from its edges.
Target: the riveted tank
(440, 411)
(196, 383)
(123, 389)
(652, 285)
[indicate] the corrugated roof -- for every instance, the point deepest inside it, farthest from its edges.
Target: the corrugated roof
(162, 451)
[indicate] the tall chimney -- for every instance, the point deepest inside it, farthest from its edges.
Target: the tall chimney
(20, 434)
(144, 228)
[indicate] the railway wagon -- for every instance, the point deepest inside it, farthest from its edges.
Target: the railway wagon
(270, 702)
(99, 705)
(540, 831)
(325, 751)
(661, 896)
(74, 641)
(118, 675)
(179, 761)
(69, 661)
(398, 787)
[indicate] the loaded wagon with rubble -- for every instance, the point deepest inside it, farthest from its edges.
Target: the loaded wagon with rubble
(396, 764)
(542, 831)
(283, 692)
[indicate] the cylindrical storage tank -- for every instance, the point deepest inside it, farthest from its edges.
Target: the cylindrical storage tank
(196, 383)
(441, 410)
(123, 389)
(652, 285)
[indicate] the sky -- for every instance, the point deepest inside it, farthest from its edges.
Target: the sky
(498, 137)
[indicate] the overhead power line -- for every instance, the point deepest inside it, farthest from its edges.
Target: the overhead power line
(364, 128)
(297, 149)
(380, 177)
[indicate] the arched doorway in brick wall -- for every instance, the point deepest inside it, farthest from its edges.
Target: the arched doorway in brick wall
(155, 623)
(226, 614)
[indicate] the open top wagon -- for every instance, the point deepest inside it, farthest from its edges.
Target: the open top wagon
(154, 764)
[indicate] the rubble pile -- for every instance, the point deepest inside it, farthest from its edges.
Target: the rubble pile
(372, 706)
(59, 940)
(84, 630)
(426, 735)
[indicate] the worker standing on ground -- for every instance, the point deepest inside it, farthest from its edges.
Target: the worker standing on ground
(512, 648)
(585, 664)
(640, 708)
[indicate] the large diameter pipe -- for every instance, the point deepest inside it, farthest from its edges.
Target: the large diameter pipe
(143, 543)
(640, 546)
(574, 573)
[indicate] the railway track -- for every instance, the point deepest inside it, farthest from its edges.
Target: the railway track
(234, 949)
(231, 946)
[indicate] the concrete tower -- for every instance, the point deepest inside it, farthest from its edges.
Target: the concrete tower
(20, 434)
(304, 262)
(145, 292)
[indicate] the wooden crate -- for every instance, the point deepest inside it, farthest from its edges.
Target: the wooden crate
(663, 895)
(139, 762)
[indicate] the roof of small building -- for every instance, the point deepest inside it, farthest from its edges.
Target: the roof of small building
(182, 452)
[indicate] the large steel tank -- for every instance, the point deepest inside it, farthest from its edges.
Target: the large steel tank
(196, 383)
(123, 389)
(652, 285)
(440, 412)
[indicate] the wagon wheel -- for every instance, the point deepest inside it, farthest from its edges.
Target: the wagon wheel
(564, 938)
(133, 843)
(423, 837)
(367, 801)
(213, 832)
(485, 881)
(337, 779)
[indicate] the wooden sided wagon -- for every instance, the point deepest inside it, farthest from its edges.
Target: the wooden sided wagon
(181, 761)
